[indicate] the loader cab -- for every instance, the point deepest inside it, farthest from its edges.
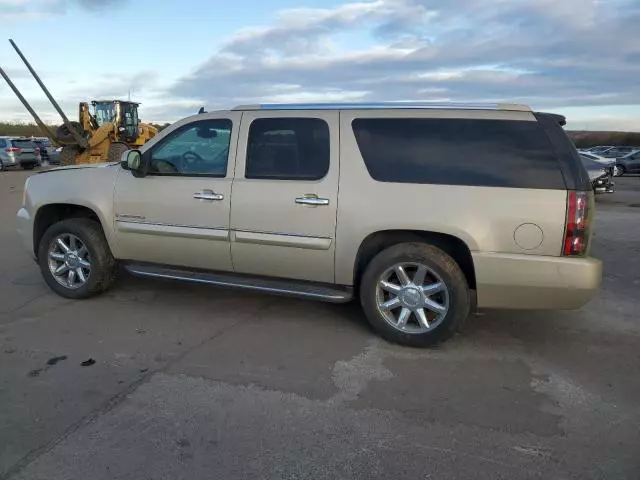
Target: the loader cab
(128, 120)
(104, 112)
(123, 115)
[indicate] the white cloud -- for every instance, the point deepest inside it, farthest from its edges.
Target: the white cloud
(29, 10)
(543, 52)
(548, 53)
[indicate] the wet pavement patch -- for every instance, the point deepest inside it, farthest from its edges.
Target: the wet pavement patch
(55, 360)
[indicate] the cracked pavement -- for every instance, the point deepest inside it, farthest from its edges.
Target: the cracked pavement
(186, 382)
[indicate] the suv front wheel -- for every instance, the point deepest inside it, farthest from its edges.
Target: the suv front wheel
(75, 259)
(414, 294)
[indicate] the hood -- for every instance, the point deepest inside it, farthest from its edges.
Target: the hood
(595, 171)
(77, 167)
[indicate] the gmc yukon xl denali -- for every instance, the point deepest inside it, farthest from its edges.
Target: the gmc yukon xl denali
(422, 212)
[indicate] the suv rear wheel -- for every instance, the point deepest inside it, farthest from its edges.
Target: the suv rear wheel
(75, 259)
(414, 294)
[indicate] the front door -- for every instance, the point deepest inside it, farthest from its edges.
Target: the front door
(179, 213)
(285, 195)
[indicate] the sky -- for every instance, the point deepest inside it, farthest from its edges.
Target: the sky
(580, 58)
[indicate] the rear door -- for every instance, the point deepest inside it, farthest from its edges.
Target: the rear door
(285, 195)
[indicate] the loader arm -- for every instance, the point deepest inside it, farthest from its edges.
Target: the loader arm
(43, 127)
(82, 142)
(100, 135)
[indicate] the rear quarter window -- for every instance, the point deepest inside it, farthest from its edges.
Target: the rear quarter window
(493, 153)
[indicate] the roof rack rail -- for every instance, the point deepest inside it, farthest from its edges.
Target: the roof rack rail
(386, 105)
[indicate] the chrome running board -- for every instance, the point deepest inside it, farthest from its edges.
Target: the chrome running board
(275, 286)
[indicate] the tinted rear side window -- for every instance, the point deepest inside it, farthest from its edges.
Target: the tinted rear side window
(494, 153)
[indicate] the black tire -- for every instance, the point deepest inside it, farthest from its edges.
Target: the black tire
(28, 167)
(103, 265)
(116, 149)
(439, 263)
(621, 170)
(68, 155)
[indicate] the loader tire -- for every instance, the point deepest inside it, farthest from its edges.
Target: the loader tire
(115, 151)
(69, 155)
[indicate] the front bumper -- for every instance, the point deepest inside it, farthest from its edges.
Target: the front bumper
(24, 225)
(534, 282)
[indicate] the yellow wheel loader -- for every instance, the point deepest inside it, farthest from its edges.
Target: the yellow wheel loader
(104, 130)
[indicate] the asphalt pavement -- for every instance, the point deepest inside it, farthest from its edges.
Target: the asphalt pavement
(160, 380)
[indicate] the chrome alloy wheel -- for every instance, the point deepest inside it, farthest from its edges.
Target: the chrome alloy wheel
(69, 261)
(412, 298)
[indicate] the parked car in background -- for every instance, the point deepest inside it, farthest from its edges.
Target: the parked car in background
(18, 152)
(42, 148)
(609, 162)
(377, 202)
(48, 152)
(601, 176)
(630, 163)
(616, 152)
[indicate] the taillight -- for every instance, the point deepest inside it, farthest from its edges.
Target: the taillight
(576, 236)
(13, 150)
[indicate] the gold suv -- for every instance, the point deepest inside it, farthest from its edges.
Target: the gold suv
(420, 211)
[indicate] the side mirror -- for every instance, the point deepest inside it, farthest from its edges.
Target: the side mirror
(134, 161)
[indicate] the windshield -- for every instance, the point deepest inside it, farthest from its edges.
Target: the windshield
(104, 112)
(590, 164)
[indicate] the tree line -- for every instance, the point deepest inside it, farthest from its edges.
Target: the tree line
(32, 130)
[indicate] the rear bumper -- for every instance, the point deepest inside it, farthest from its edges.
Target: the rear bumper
(535, 282)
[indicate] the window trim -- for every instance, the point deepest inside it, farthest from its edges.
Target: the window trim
(177, 131)
(287, 178)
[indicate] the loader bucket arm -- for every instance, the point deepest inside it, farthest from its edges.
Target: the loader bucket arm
(45, 129)
(82, 142)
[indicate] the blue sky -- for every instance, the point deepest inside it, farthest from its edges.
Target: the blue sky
(576, 57)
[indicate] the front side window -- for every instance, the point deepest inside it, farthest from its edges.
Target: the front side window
(288, 149)
(198, 148)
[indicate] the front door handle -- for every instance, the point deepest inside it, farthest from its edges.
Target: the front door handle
(207, 194)
(310, 199)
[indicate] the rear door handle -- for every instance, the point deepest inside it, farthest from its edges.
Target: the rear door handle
(207, 194)
(310, 199)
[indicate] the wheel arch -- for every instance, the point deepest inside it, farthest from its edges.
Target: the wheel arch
(52, 213)
(378, 241)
